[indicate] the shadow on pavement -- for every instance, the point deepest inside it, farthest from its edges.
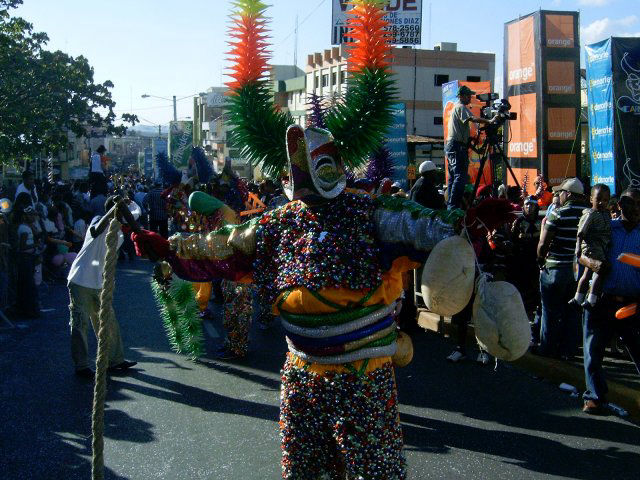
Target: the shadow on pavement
(526, 451)
(195, 397)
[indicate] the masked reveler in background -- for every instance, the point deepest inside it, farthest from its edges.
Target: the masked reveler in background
(329, 262)
(230, 189)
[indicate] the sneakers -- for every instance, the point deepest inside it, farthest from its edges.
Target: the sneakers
(122, 367)
(456, 356)
(591, 407)
(483, 358)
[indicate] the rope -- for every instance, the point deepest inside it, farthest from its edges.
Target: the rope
(102, 360)
(575, 139)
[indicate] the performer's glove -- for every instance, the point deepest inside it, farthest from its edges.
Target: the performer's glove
(150, 244)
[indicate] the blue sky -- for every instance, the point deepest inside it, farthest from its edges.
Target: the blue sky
(166, 48)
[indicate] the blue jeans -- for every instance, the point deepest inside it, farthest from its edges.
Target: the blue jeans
(458, 166)
(559, 323)
(598, 329)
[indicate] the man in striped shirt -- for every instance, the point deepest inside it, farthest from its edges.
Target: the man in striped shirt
(621, 287)
(560, 326)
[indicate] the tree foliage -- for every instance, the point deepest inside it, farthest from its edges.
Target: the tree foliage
(46, 95)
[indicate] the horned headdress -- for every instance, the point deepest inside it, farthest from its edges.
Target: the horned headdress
(312, 159)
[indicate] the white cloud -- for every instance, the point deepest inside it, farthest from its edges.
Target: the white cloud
(594, 3)
(607, 27)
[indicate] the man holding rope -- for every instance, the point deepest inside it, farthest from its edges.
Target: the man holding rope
(85, 283)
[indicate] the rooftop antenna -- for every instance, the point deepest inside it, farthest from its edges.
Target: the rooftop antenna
(429, 35)
(295, 42)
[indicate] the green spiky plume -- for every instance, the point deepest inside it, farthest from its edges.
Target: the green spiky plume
(258, 128)
(179, 312)
(360, 122)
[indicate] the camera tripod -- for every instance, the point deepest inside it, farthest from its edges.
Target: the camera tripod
(488, 151)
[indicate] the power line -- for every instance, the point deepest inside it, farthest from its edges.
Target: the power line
(302, 22)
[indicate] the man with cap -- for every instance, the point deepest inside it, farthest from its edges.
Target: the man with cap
(424, 190)
(456, 146)
(560, 329)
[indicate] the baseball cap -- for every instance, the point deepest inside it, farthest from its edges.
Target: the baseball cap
(427, 166)
(572, 185)
(464, 90)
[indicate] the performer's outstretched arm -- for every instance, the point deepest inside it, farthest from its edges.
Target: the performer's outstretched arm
(409, 229)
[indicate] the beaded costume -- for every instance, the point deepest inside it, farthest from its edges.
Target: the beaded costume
(330, 262)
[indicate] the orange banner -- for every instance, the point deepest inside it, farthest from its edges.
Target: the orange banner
(560, 166)
(560, 32)
(521, 56)
(561, 78)
(524, 141)
(561, 123)
(525, 177)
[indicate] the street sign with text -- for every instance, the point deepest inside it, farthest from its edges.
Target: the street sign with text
(404, 17)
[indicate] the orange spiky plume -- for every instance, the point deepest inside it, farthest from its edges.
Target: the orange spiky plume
(371, 46)
(249, 53)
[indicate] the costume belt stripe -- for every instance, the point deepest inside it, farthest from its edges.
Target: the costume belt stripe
(322, 326)
(368, 352)
(383, 337)
(303, 342)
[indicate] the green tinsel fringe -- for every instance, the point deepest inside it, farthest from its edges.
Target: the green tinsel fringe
(360, 123)
(179, 312)
(258, 128)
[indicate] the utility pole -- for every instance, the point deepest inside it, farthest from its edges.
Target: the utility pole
(175, 111)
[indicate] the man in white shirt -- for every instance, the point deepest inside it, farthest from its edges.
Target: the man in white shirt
(85, 284)
(28, 185)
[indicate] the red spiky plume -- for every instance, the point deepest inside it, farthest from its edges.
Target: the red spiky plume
(371, 46)
(249, 53)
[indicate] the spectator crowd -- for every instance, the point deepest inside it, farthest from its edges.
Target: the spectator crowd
(559, 247)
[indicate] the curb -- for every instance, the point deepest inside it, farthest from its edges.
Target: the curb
(556, 371)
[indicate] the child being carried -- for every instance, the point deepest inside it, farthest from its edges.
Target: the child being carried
(594, 236)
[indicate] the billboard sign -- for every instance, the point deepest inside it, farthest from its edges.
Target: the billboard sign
(404, 17)
(216, 97)
(521, 54)
(542, 60)
(600, 112)
(560, 31)
(180, 142)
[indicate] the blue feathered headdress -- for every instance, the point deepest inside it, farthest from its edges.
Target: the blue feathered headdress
(203, 166)
(169, 174)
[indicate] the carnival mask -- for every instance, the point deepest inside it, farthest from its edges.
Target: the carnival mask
(316, 172)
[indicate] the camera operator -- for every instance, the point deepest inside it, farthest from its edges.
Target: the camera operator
(456, 147)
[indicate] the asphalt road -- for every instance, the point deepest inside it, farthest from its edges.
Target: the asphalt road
(174, 419)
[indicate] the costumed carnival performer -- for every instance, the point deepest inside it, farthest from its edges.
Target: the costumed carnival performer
(330, 262)
(237, 311)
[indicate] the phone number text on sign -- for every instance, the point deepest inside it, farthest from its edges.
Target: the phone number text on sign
(405, 34)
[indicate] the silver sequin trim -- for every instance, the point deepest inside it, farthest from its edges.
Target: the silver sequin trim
(373, 352)
(331, 331)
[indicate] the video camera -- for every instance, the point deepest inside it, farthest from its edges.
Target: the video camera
(495, 107)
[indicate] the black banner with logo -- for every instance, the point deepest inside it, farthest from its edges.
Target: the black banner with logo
(625, 59)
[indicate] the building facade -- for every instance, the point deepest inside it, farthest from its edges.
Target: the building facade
(419, 76)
